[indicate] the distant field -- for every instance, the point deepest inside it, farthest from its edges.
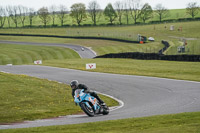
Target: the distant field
(20, 54)
(190, 29)
(158, 31)
(101, 47)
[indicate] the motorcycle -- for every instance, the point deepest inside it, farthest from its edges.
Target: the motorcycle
(89, 104)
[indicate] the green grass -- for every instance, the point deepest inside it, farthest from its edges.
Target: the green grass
(27, 98)
(101, 47)
(153, 68)
(23, 94)
(176, 123)
(190, 30)
(193, 47)
(21, 54)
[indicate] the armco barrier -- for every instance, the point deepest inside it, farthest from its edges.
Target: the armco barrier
(74, 37)
(153, 56)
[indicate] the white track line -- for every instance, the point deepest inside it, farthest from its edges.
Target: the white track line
(121, 103)
(4, 72)
(90, 48)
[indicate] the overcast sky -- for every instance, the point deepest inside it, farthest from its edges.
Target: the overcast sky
(170, 4)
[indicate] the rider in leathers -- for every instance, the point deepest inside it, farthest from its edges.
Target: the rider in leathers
(75, 85)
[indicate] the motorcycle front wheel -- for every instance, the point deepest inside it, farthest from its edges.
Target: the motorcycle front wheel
(88, 110)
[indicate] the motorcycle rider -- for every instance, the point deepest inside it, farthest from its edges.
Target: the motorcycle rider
(75, 85)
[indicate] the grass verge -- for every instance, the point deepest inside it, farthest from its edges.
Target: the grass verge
(27, 98)
(22, 54)
(153, 68)
(176, 123)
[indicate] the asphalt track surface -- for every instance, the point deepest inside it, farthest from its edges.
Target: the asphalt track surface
(142, 96)
(82, 51)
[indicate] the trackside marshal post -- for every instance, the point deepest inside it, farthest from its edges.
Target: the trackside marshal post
(91, 66)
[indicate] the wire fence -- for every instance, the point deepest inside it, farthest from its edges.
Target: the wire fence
(193, 48)
(101, 33)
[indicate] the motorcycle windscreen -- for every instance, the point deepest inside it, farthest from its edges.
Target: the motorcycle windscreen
(79, 95)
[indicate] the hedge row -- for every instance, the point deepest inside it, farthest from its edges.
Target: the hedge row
(176, 20)
(153, 56)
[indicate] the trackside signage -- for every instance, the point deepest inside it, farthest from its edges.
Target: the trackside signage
(38, 62)
(91, 66)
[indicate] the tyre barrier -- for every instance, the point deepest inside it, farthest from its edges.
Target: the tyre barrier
(74, 37)
(153, 56)
(165, 48)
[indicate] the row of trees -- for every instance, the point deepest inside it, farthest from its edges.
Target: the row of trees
(16, 14)
(125, 8)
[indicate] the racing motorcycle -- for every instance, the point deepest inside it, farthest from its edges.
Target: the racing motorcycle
(89, 104)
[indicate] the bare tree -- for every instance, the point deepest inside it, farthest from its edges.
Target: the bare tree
(135, 9)
(62, 14)
(15, 15)
(119, 8)
(192, 9)
(9, 13)
(146, 12)
(44, 15)
(110, 13)
(23, 11)
(78, 12)
(161, 11)
(94, 11)
(31, 15)
(52, 10)
(126, 10)
(2, 16)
